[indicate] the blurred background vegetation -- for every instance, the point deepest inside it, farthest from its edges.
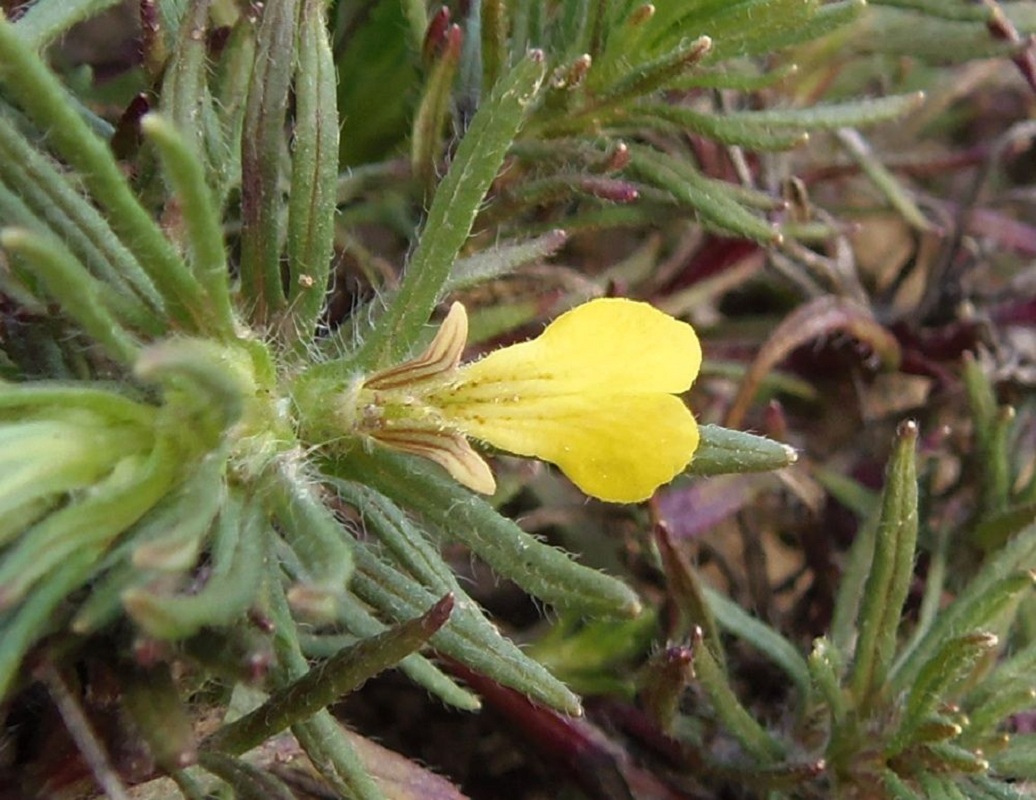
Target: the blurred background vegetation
(194, 585)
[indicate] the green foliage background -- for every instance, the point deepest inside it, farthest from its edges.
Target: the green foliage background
(182, 291)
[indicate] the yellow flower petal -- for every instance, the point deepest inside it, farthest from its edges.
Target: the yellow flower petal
(606, 345)
(617, 447)
(593, 394)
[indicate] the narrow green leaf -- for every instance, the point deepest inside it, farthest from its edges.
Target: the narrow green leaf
(22, 627)
(939, 787)
(592, 656)
(738, 622)
(642, 79)
(314, 177)
(46, 20)
(239, 546)
(494, 41)
(81, 296)
(41, 95)
(320, 736)
(50, 194)
(705, 195)
(897, 788)
(987, 612)
(1011, 674)
(850, 493)
(313, 532)
(328, 747)
(416, 13)
(981, 398)
(261, 150)
(247, 781)
(891, 571)
(740, 78)
(777, 780)
(230, 94)
(561, 187)
(354, 617)
(540, 569)
(220, 379)
(850, 591)
(1000, 584)
(408, 544)
(736, 129)
(103, 402)
(853, 113)
(567, 30)
(938, 8)
(649, 211)
(21, 514)
(999, 600)
(624, 34)
(999, 464)
(753, 27)
(825, 673)
(932, 595)
(323, 685)
(170, 537)
(397, 596)
(990, 454)
(984, 787)
(416, 555)
(740, 724)
(947, 757)
(184, 85)
(501, 260)
(825, 19)
(882, 178)
(426, 137)
(903, 32)
(113, 576)
(124, 306)
(186, 173)
(687, 593)
(986, 718)
(525, 28)
(674, 19)
(87, 526)
(153, 701)
(723, 451)
(44, 459)
(378, 79)
(582, 154)
(192, 784)
(936, 681)
(453, 210)
(936, 728)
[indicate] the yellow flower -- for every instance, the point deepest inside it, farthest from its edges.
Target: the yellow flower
(594, 394)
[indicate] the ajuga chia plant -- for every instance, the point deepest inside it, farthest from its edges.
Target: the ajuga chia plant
(185, 423)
